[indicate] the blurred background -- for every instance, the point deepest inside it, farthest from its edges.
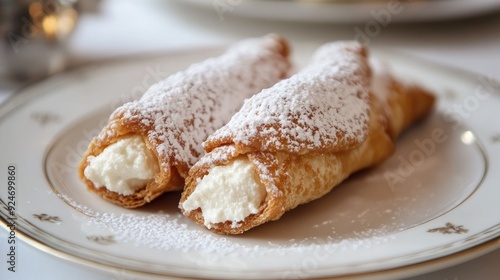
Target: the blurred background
(43, 37)
(40, 37)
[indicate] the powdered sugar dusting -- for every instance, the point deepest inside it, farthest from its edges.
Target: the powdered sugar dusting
(181, 111)
(161, 231)
(222, 154)
(173, 232)
(81, 208)
(324, 105)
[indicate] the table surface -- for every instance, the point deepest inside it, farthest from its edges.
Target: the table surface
(121, 28)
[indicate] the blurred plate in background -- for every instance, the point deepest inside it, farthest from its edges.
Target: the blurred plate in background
(355, 11)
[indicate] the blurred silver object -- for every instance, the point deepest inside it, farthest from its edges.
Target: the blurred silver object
(34, 35)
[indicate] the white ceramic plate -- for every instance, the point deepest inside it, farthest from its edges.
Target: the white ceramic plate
(350, 11)
(436, 196)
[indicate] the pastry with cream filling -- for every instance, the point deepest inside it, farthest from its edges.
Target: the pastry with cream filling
(148, 145)
(296, 141)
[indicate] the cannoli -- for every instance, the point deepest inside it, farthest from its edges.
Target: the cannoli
(149, 145)
(296, 141)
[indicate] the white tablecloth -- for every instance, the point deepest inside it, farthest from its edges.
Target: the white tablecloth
(131, 27)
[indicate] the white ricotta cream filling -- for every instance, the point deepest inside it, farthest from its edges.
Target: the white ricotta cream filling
(123, 167)
(227, 193)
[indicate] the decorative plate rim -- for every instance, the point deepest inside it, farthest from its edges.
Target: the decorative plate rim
(476, 248)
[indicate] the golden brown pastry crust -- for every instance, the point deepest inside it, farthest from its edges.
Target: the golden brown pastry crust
(349, 87)
(268, 53)
(292, 178)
